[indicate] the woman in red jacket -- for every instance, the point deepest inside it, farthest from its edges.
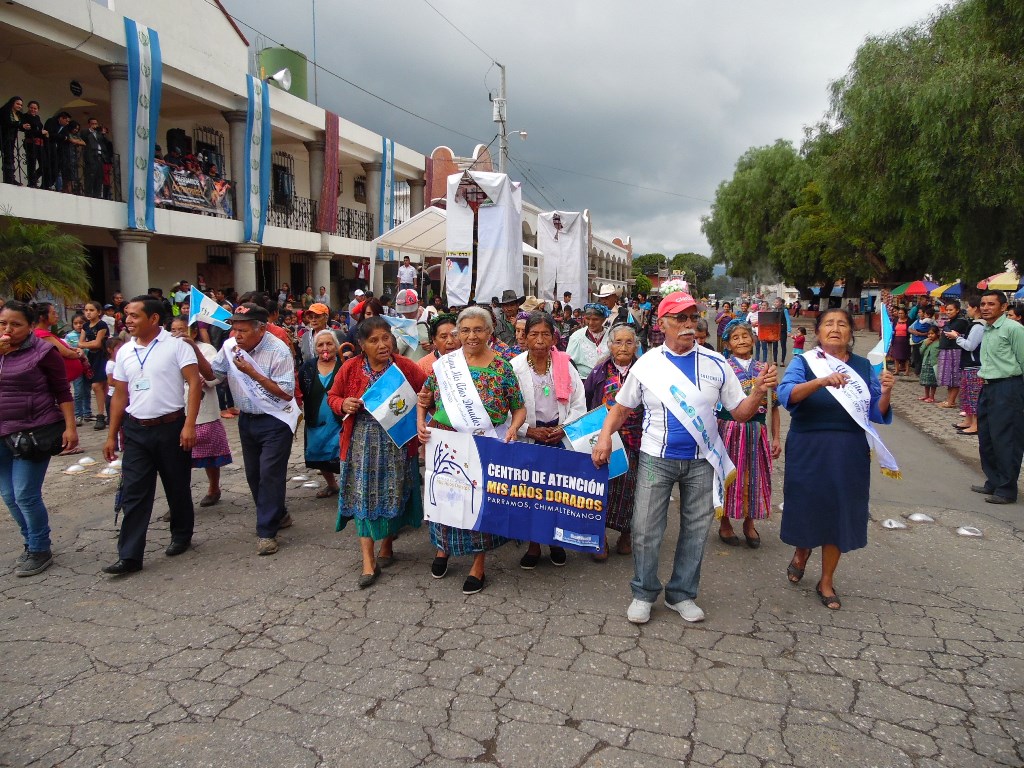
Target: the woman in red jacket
(380, 481)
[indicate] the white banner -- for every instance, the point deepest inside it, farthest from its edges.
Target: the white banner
(562, 239)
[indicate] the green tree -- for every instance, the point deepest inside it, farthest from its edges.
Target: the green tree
(39, 257)
(748, 207)
(922, 147)
(699, 269)
(642, 284)
(649, 263)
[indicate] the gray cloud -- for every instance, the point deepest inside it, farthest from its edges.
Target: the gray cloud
(664, 95)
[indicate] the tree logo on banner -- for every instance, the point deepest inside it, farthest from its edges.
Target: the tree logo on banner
(446, 463)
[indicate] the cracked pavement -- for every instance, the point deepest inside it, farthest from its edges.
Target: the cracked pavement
(222, 658)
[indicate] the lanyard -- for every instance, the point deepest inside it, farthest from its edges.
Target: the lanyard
(142, 360)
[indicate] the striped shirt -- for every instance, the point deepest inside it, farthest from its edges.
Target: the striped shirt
(272, 357)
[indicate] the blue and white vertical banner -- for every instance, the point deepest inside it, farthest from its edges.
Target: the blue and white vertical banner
(257, 160)
(878, 354)
(145, 75)
(386, 202)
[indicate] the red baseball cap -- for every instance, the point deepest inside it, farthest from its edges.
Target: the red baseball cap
(677, 302)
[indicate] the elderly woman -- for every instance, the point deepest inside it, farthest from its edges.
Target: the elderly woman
(828, 456)
(589, 344)
(750, 497)
(444, 338)
(601, 386)
(37, 421)
(381, 480)
(520, 346)
(321, 425)
(497, 387)
(553, 395)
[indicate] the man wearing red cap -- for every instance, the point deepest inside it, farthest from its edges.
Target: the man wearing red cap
(678, 383)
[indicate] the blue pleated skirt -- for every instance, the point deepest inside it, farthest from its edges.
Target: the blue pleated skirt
(826, 490)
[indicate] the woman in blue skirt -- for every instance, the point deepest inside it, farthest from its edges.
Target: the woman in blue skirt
(827, 450)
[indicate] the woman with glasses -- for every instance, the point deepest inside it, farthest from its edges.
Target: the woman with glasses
(601, 386)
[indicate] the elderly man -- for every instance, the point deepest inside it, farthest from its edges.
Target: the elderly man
(678, 384)
(1001, 405)
(589, 344)
(505, 322)
(316, 317)
(608, 295)
(260, 374)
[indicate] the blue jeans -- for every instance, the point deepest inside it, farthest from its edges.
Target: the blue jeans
(655, 481)
(21, 486)
(266, 446)
(83, 395)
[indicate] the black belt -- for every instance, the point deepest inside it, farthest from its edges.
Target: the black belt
(165, 419)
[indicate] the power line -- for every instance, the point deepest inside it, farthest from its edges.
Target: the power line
(360, 88)
(468, 38)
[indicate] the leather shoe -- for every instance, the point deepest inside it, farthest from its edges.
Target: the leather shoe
(122, 567)
(981, 489)
(993, 499)
(177, 547)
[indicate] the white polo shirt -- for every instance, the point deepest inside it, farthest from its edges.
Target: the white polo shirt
(156, 385)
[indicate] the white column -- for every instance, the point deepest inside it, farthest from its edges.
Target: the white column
(372, 171)
(322, 275)
(243, 257)
(236, 173)
(416, 187)
(315, 149)
(133, 261)
(120, 115)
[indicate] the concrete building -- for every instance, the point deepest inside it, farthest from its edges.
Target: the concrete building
(71, 54)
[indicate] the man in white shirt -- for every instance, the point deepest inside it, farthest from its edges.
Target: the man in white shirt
(408, 307)
(670, 454)
(406, 274)
(159, 431)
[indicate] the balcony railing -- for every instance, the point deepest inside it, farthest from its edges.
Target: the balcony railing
(355, 224)
(68, 170)
(292, 213)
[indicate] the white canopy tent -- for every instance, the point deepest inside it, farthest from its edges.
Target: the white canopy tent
(426, 234)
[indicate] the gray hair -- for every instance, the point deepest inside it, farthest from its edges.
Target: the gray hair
(320, 333)
(702, 326)
(737, 326)
(622, 327)
(476, 313)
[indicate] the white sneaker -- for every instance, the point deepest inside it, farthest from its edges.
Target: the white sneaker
(639, 611)
(688, 609)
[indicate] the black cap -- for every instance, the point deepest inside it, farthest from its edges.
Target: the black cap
(252, 312)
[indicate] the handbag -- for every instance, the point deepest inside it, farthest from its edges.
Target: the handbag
(38, 444)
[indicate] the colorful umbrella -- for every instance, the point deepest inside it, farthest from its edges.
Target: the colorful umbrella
(1019, 294)
(949, 289)
(1004, 281)
(899, 289)
(919, 288)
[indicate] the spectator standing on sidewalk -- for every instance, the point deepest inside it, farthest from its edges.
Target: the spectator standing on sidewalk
(94, 342)
(1001, 405)
(949, 352)
(970, 362)
(150, 374)
(261, 374)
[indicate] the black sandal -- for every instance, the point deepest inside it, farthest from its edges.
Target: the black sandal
(829, 601)
(732, 541)
(794, 573)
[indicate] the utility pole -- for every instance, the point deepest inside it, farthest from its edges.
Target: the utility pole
(501, 118)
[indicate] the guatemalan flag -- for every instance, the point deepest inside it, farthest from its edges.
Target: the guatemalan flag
(391, 400)
(581, 436)
(406, 328)
(877, 355)
(202, 307)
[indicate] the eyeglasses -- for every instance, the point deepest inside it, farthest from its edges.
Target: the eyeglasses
(682, 317)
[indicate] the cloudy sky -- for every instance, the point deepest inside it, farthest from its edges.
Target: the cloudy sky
(635, 109)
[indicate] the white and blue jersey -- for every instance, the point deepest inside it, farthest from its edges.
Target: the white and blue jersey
(663, 434)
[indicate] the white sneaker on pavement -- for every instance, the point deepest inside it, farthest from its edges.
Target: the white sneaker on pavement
(639, 611)
(688, 609)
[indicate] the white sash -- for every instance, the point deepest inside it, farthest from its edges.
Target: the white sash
(684, 401)
(462, 402)
(855, 398)
(282, 410)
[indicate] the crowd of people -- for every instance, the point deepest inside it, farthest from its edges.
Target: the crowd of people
(59, 154)
(692, 417)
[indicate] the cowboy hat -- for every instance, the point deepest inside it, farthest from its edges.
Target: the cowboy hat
(531, 303)
(607, 290)
(508, 296)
